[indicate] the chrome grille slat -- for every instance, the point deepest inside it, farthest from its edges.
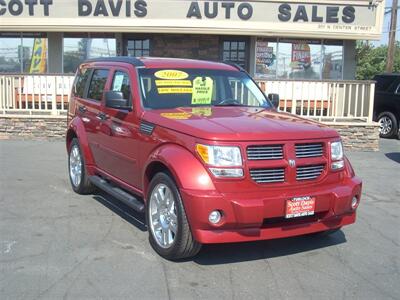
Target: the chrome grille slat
(309, 150)
(309, 172)
(268, 175)
(265, 152)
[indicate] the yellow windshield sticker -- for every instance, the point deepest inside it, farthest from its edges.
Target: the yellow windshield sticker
(174, 90)
(173, 83)
(171, 74)
(176, 116)
(202, 90)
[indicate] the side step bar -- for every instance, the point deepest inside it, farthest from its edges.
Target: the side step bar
(118, 193)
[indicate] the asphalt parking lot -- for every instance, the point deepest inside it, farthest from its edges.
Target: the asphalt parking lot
(56, 244)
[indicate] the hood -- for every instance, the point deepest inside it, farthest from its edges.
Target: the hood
(238, 123)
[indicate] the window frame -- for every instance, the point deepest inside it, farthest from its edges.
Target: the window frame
(247, 47)
(135, 39)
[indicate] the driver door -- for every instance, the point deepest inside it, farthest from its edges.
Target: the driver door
(119, 132)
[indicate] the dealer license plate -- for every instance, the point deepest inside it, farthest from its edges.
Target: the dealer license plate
(300, 207)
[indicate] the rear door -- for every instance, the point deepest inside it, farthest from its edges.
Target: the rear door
(120, 132)
(91, 109)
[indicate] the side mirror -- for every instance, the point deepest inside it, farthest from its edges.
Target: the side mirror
(274, 99)
(116, 100)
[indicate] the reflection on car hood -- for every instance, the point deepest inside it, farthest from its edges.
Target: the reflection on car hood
(238, 123)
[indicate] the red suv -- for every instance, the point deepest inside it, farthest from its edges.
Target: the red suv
(201, 150)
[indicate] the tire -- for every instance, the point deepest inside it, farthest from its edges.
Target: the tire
(169, 230)
(79, 180)
(388, 123)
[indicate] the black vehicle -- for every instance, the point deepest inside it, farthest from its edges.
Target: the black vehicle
(387, 104)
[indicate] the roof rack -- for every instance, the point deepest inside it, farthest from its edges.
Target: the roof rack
(124, 59)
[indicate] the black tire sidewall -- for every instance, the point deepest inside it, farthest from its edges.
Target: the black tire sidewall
(164, 178)
(392, 117)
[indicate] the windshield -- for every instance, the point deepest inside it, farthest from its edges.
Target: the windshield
(171, 88)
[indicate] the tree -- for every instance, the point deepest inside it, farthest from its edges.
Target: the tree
(371, 60)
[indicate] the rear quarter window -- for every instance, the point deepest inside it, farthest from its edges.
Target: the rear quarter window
(80, 82)
(97, 84)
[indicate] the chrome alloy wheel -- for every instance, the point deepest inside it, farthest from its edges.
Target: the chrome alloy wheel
(162, 215)
(386, 125)
(75, 166)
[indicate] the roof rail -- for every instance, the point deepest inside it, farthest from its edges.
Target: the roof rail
(124, 59)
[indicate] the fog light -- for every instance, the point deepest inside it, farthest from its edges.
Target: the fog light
(337, 165)
(214, 217)
(354, 203)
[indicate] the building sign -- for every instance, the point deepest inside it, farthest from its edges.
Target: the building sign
(352, 19)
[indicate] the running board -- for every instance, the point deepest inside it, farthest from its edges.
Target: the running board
(118, 193)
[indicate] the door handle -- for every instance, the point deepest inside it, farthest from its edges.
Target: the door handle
(82, 109)
(102, 116)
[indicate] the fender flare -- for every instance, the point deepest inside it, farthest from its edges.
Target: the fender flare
(76, 126)
(189, 173)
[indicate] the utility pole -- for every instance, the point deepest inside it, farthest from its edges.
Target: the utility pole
(392, 38)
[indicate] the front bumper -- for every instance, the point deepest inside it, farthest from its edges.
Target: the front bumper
(260, 215)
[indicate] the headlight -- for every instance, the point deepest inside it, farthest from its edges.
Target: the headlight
(336, 151)
(337, 156)
(220, 156)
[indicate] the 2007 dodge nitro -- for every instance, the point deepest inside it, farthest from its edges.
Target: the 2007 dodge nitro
(200, 149)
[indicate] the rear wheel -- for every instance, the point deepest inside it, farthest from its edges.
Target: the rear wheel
(169, 231)
(388, 124)
(77, 171)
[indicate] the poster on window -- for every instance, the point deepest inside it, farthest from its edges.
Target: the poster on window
(265, 58)
(301, 56)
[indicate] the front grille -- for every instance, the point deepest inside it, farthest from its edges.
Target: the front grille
(265, 152)
(309, 172)
(268, 175)
(309, 150)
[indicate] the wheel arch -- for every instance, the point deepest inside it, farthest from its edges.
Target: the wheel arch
(186, 170)
(76, 129)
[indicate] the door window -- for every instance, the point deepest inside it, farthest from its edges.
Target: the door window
(97, 84)
(121, 83)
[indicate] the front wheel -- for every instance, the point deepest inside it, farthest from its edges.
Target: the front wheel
(169, 230)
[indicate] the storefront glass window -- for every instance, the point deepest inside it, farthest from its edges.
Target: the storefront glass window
(78, 49)
(299, 59)
(266, 51)
(26, 53)
(332, 67)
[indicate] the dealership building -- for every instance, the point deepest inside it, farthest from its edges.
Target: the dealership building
(270, 39)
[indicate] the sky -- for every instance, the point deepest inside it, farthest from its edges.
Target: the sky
(386, 26)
